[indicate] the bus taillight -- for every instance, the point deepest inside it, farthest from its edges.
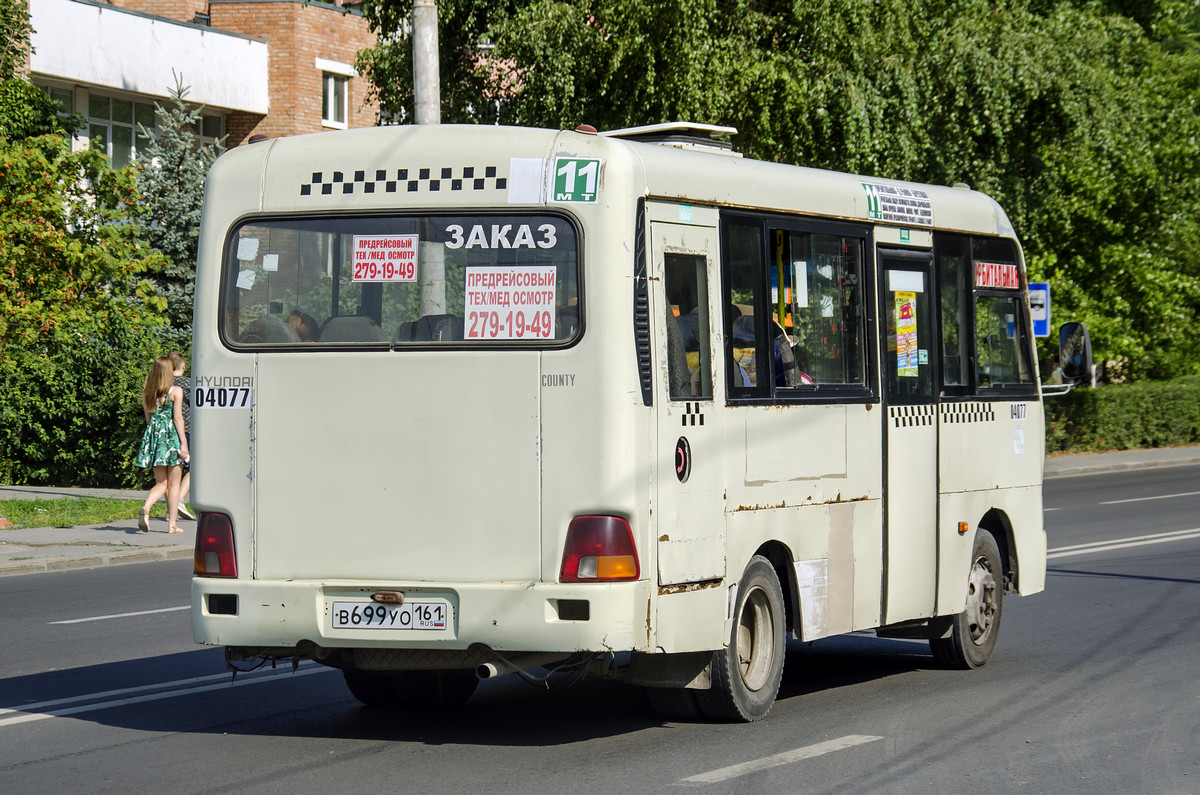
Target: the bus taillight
(214, 547)
(599, 548)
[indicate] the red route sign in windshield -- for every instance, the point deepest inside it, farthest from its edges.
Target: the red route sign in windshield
(997, 274)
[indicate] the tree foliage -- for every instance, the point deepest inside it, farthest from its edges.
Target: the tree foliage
(171, 179)
(78, 319)
(1081, 118)
(14, 37)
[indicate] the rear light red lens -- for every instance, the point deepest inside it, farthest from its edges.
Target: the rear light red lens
(599, 549)
(214, 547)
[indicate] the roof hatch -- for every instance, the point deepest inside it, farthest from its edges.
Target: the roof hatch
(680, 134)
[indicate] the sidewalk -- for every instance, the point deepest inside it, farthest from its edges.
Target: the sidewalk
(42, 549)
(1089, 463)
(39, 549)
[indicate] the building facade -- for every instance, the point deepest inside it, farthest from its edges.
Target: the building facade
(258, 67)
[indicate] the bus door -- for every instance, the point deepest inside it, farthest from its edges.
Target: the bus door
(688, 511)
(911, 429)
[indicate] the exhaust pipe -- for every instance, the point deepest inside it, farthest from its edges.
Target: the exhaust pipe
(522, 662)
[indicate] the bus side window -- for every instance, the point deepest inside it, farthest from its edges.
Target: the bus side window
(747, 359)
(958, 361)
(689, 359)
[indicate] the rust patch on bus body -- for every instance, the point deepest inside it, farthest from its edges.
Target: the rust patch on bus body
(688, 587)
(741, 508)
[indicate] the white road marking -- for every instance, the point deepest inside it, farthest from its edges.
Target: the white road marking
(1048, 510)
(122, 615)
(183, 687)
(1122, 543)
(785, 758)
(1158, 497)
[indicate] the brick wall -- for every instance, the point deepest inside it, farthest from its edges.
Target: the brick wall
(182, 10)
(297, 34)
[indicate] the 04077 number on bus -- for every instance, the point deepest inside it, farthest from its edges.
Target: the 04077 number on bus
(221, 397)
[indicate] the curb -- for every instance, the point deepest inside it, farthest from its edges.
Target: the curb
(43, 565)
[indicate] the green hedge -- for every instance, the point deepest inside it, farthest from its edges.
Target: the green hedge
(74, 418)
(1124, 416)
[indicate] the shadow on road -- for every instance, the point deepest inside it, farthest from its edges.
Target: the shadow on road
(191, 692)
(1117, 575)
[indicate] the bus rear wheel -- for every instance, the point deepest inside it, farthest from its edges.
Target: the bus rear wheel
(747, 672)
(974, 631)
(449, 688)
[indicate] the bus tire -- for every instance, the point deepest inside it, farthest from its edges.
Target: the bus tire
(442, 688)
(974, 631)
(371, 688)
(747, 672)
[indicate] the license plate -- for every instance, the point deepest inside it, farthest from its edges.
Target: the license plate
(429, 614)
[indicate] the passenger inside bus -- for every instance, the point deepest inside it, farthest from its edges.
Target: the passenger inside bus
(304, 325)
(351, 328)
(268, 329)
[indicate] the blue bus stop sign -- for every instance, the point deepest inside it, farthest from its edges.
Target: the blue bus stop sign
(1039, 307)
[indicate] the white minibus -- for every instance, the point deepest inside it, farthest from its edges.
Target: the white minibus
(479, 400)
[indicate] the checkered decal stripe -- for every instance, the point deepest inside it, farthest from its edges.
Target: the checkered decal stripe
(958, 413)
(910, 416)
(410, 180)
(693, 415)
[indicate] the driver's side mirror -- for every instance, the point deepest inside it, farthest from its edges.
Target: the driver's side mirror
(1075, 354)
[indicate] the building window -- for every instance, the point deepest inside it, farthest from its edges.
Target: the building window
(114, 127)
(212, 129)
(333, 96)
(64, 98)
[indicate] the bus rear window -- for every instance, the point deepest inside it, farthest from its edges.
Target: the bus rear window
(401, 281)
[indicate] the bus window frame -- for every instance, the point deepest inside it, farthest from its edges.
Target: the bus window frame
(226, 285)
(1021, 331)
(971, 243)
(766, 393)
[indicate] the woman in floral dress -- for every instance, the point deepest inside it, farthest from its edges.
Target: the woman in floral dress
(164, 444)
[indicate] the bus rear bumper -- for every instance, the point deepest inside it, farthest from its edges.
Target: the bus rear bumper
(506, 617)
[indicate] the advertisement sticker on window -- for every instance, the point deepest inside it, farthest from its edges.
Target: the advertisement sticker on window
(510, 303)
(384, 258)
(907, 352)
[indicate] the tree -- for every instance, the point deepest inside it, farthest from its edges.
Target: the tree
(462, 27)
(25, 110)
(14, 37)
(171, 178)
(1079, 117)
(78, 319)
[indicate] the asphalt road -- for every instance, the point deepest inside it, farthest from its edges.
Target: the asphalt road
(1092, 689)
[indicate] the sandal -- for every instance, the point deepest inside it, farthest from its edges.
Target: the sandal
(173, 529)
(144, 520)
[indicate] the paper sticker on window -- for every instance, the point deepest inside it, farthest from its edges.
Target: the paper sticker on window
(247, 250)
(510, 303)
(384, 258)
(907, 352)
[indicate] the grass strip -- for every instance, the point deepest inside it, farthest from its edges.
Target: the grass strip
(72, 511)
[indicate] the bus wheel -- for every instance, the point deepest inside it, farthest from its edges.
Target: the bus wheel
(372, 689)
(746, 673)
(974, 631)
(444, 688)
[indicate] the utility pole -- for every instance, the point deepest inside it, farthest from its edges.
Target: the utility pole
(427, 99)
(426, 79)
